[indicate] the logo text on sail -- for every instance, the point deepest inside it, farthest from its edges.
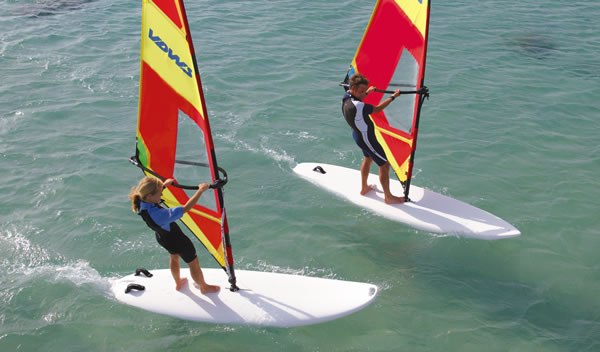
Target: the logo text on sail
(174, 57)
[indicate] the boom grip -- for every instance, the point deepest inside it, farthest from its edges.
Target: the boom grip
(219, 182)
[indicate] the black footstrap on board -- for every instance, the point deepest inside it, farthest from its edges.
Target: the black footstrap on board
(136, 287)
(319, 169)
(139, 271)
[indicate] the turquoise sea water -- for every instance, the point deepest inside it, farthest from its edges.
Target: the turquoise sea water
(512, 126)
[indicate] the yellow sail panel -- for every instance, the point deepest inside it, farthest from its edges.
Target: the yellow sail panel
(166, 50)
(417, 12)
(217, 253)
(400, 166)
(191, 221)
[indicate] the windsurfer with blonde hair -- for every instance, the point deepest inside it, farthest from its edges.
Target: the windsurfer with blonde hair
(145, 201)
(357, 116)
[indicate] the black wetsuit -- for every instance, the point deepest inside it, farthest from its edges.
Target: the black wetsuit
(363, 131)
(173, 239)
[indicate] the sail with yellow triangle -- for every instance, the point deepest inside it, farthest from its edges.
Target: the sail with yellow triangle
(173, 137)
(392, 55)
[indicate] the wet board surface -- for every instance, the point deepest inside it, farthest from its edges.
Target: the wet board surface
(264, 299)
(427, 210)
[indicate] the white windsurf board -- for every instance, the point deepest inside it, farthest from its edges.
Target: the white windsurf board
(427, 210)
(264, 298)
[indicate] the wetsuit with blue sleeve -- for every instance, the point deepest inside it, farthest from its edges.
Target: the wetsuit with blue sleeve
(168, 233)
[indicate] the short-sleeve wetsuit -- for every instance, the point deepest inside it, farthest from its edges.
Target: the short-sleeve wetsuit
(363, 131)
(168, 233)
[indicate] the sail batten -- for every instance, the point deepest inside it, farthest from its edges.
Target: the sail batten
(173, 133)
(391, 54)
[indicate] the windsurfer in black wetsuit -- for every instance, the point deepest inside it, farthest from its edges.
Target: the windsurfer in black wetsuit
(145, 201)
(363, 131)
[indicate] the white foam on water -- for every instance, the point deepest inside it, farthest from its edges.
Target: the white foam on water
(25, 262)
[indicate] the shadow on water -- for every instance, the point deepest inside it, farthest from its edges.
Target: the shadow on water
(42, 8)
(578, 59)
(533, 45)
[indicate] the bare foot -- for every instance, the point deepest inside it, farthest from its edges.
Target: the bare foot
(394, 200)
(206, 288)
(368, 189)
(181, 283)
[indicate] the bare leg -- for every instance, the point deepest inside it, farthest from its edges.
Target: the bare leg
(174, 265)
(365, 167)
(384, 178)
(198, 278)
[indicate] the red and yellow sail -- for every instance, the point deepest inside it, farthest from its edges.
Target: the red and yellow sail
(173, 123)
(392, 56)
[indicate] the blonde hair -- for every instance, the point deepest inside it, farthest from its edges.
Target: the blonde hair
(146, 187)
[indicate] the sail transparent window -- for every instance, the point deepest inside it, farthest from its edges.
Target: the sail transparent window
(400, 112)
(192, 165)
